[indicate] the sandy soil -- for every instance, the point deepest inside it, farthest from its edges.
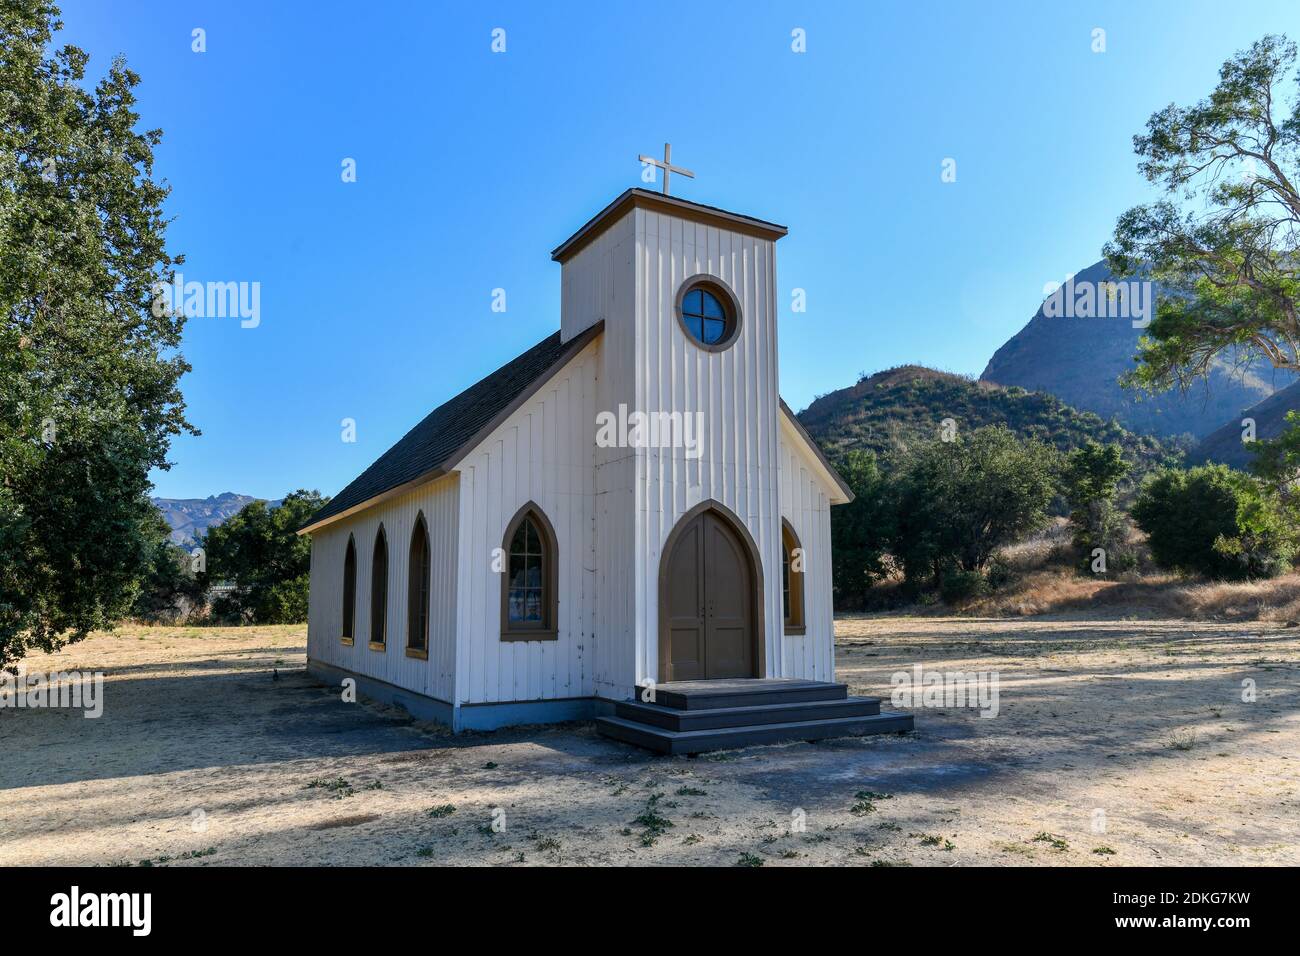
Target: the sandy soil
(201, 758)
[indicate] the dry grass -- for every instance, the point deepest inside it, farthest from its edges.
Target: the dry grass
(1045, 581)
(139, 631)
(1158, 595)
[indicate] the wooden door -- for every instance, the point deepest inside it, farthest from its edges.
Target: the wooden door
(729, 594)
(708, 603)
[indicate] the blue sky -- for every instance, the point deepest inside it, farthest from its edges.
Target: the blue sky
(472, 166)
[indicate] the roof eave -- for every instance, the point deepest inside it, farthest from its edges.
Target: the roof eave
(834, 476)
(644, 199)
(383, 496)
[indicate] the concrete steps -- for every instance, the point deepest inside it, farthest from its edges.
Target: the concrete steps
(695, 716)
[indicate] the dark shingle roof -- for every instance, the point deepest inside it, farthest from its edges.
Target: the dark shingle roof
(457, 425)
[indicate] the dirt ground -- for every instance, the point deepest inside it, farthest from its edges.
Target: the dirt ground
(1116, 743)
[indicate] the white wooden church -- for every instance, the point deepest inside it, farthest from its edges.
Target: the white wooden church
(625, 522)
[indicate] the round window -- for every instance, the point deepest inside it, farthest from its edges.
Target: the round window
(708, 314)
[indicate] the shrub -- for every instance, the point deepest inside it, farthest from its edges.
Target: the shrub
(1215, 521)
(999, 573)
(961, 586)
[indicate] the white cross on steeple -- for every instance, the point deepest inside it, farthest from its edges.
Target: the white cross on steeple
(667, 165)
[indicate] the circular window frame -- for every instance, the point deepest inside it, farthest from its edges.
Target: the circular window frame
(730, 306)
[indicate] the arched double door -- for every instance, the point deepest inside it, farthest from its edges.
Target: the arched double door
(709, 587)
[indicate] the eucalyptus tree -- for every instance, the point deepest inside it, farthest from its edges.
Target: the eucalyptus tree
(1223, 242)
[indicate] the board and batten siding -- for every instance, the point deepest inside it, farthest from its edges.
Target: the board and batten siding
(736, 389)
(439, 502)
(805, 503)
(542, 453)
(599, 282)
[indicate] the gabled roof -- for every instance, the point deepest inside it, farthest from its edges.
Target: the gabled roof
(436, 444)
(672, 206)
(432, 447)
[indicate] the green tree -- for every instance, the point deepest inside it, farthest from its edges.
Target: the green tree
(89, 396)
(169, 587)
(959, 501)
(260, 552)
(1225, 243)
(1089, 480)
(860, 530)
(1215, 521)
(1276, 462)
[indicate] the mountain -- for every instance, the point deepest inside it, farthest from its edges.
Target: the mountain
(1079, 360)
(1225, 446)
(902, 405)
(190, 517)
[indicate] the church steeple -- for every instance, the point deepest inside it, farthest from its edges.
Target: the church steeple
(601, 275)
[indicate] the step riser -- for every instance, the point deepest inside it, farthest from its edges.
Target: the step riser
(666, 698)
(679, 720)
(726, 739)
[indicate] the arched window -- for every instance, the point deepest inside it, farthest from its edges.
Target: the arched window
(793, 563)
(379, 592)
(708, 312)
(349, 591)
(528, 587)
(417, 593)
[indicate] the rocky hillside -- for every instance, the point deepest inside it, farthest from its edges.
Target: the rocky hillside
(1224, 444)
(1079, 360)
(902, 405)
(190, 517)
